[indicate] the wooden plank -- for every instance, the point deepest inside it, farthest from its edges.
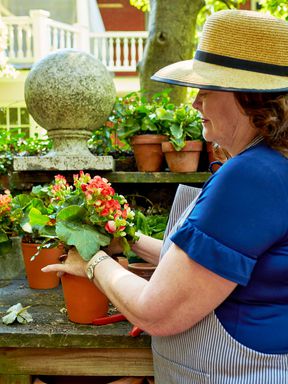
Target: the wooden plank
(15, 379)
(75, 362)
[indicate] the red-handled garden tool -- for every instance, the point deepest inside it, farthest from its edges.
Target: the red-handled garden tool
(109, 319)
(135, 331)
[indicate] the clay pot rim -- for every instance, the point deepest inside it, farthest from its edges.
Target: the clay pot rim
(141, 266)
(209, 146)
(190, 146)
(148, 138)
(31, 244)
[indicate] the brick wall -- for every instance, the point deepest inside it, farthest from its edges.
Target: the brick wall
(119, 15)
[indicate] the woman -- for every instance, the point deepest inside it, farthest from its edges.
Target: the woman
(217, 304)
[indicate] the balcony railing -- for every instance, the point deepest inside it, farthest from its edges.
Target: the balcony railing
(32, 37)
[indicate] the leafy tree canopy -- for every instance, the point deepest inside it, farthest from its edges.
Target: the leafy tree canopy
(143, 5)
(278, 8)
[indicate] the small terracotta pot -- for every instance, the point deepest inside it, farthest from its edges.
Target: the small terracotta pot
(186, 160)
(84, 301)
(148, 152)
(144, 270)
(36, 278)
(123, 261)
(210, 151)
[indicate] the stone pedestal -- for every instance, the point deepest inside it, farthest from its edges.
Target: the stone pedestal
(11, 263)
(70, 94)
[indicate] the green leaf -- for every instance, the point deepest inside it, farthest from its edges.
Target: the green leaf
(163, 114)
(17, 312)
(39, 205)
(3, 236)
(148, 125)
(9, 318)
(176, 131)
(141, 223)
(87, 240)
(48, 231)
(71, 213)
(21, 201)
(37, 219)
(123, 133)
(24, 317)
(178, 143)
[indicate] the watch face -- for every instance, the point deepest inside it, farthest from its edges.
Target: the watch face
(90, 272)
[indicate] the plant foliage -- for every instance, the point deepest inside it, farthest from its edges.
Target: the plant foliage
(86, 215)
(12, 144)
(133, 114)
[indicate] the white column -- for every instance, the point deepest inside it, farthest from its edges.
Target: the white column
(40, 32)
(82, 25)
(82, 12)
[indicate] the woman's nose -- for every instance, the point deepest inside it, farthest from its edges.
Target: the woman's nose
(196, 103)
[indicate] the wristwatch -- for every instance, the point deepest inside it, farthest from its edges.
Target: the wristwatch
(96, 260)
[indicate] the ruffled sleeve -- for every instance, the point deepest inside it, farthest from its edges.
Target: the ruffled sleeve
(213, 255)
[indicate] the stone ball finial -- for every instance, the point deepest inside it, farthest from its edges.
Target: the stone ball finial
(69, 89)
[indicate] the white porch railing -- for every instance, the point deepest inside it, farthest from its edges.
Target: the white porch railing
(34, 36)
(118, 51)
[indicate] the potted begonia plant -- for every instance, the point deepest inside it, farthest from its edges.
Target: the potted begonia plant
(39, 244)
(86, 215)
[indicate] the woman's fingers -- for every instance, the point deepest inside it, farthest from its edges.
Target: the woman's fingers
(71, 263)
(54, 268)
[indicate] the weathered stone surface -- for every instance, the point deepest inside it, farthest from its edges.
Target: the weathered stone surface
(11, 263)
(69, 93)
(69, 89)
(51, 327)
(63, 163)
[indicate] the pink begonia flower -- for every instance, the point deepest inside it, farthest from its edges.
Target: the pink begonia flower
(110, 226)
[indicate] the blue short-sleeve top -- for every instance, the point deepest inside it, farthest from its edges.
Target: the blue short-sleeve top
(239, 230)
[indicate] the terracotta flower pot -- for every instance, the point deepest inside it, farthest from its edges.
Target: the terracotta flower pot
(215, 154)
(123, 261)
(148, 152)
(211, 156)
(186, 160)
(84, 301)
(36, 278)
(211, 152)
(144, 270)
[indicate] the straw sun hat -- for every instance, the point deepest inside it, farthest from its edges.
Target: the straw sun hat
(238, 51)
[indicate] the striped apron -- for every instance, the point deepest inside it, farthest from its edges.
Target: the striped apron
(206, 353)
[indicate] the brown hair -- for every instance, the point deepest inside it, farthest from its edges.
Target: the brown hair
(268, 112)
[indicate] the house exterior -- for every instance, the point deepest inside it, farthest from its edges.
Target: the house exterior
(33, 33)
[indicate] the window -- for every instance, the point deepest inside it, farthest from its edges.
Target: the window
(15, 119)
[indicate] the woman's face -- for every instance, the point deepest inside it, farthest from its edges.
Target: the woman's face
(223, 121)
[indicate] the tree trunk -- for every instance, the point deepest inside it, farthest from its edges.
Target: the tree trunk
(171, 39)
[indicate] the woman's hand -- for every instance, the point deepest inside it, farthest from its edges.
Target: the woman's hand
(73, 264)
(115, 247)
